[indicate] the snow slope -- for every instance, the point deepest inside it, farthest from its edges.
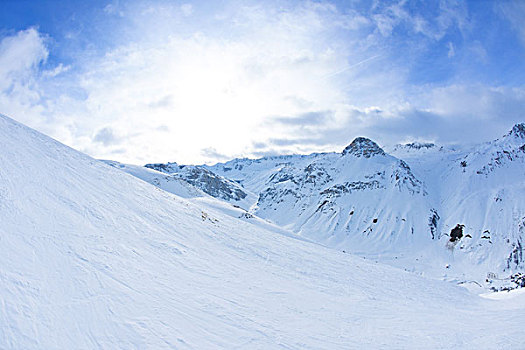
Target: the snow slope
(93, 257)
(481, 187)
(174, 184)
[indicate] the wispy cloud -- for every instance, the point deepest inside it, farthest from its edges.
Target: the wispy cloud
(514, 12)
(344, 69)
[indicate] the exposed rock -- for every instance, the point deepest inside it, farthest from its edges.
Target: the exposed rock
(348, 187)
(213, 184)
(518, 131)
(403, 176)
(515, 258)
(167, 168)
(204, 179)
(456, 233)
(433, 222)
(500, 158)
(419, 145)
(363, 147)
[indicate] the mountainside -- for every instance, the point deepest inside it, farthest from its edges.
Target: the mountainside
(168, 182)
(253, 174)
(346, 199)
(481, 191)
(200, 178)
(451, 211)
(177, 185)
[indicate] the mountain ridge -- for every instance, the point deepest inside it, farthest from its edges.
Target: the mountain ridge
(416, 192)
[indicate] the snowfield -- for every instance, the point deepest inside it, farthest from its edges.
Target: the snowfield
(94, 258)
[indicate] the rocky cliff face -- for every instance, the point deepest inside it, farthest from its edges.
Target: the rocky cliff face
(363, 147)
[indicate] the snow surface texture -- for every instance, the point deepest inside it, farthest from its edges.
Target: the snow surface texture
(95, 258)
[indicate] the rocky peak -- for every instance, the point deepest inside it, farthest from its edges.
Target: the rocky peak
(518, 131)
(363, 147)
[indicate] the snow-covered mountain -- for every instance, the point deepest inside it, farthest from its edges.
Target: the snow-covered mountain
(168, 182)
(93, 258)
(199, 177)
(345, 200)
(480, 191)
(458, 211)
(175, 184)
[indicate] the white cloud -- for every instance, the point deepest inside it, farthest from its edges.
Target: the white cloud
(106, 136)
(451, 50)
(450, 14)
(113, 9)
(51, 73)
(514, 12)
(451, 114)
(20, 54)
(245, 81)
(210, 94)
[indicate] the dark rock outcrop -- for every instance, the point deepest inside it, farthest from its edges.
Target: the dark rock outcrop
(363, 147)
(518, 131)
(456, 233)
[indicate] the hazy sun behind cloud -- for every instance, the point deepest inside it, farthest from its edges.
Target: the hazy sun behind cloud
(173, 81)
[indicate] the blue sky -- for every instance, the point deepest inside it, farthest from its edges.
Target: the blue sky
(193, 82)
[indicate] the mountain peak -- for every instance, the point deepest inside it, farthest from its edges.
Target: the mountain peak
(518, 131)
(361, 146)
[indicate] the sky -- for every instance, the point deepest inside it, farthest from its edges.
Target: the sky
(206, 81)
